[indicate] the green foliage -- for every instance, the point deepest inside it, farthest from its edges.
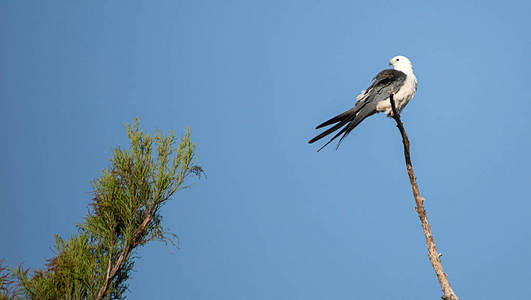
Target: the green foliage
(124, 214)
(8, 284)
(72, 274)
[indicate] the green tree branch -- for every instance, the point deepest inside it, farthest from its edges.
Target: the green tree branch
(124, 214)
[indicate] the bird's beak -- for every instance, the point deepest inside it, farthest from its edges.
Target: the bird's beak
(390, 64)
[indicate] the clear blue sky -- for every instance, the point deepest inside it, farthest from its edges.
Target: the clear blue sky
(274, 219)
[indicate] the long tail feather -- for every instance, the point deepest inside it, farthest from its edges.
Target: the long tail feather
(335, 136)
(362, 115)
(353, 117)
(341, 116)
(329, 131)
(341, 119)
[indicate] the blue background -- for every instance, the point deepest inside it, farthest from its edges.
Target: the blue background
(274, 219)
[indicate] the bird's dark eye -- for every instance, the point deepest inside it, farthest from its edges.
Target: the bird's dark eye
(397, 59)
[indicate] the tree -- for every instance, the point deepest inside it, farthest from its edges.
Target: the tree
(124, 214)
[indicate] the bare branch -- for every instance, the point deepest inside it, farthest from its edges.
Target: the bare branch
(448, 293)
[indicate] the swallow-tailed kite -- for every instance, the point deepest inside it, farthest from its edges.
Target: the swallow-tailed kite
(400, 81)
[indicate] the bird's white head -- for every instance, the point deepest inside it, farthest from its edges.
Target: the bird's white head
(401, 63)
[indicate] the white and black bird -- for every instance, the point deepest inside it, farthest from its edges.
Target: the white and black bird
(400, 81)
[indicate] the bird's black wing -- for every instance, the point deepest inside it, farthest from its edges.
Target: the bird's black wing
(379, 90)
(383, 83)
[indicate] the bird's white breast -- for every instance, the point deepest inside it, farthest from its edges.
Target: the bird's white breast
(401, 97)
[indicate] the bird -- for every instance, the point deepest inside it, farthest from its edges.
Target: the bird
(400, 81)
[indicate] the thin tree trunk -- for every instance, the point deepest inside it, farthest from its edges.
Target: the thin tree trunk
(448, 293)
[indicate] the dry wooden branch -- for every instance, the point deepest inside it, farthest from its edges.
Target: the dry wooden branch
(448, 293)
